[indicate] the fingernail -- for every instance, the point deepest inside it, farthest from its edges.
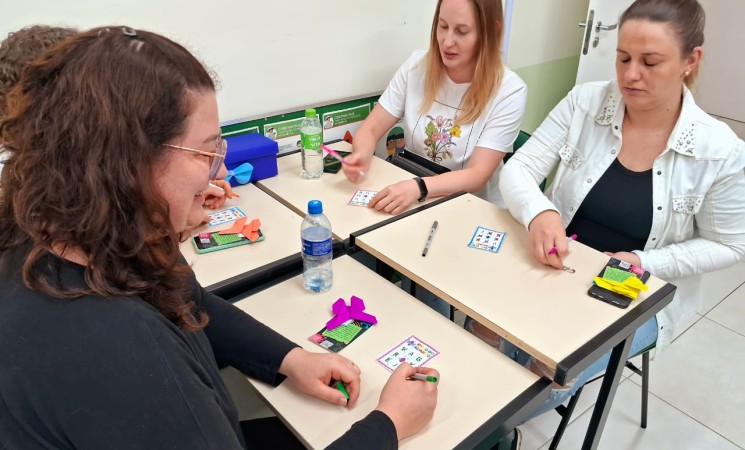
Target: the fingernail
(342, 401)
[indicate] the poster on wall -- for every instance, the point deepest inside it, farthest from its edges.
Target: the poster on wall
(338, 122)
(247, 130)
(394, 140)
(391, 142)
(286, 133)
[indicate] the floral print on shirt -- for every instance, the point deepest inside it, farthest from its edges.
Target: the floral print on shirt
(440, 133)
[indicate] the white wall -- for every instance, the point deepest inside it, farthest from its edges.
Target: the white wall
(270, 55)
(721, 87)
(545, 30)
(544, 50)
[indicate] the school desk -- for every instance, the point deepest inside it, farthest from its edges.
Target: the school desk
(542, 310)
(334, 190)
(233, 270)
(480, 390)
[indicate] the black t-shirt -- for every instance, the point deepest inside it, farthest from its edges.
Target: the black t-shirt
(616, 215)
(94, 373)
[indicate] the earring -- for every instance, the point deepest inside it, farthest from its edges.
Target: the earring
(687, 72)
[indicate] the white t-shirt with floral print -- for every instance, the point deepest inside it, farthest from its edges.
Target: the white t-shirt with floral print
(437, 136)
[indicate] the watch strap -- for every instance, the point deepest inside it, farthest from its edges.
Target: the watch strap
(422, 189)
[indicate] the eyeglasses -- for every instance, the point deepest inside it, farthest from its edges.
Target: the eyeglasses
(216, 158)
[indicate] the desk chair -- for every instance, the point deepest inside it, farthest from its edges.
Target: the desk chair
(566, 411)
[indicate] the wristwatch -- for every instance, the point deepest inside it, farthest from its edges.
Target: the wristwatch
(422, 189)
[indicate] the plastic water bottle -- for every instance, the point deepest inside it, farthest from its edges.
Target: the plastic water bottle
(315, 234)
(311, 138)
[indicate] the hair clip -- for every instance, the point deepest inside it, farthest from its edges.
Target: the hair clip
(102, 31)
(127, 31)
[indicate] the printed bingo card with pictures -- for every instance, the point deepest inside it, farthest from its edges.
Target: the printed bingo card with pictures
(486, 239)
(225, 215)
(362, 197)
(412, 350)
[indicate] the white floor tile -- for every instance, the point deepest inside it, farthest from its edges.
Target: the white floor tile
(718, 285)
(684, 324)
(540, 430)
(731, 312)
(702, 375)
(668, 428)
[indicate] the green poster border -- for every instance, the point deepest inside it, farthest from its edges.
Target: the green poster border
(254, 126)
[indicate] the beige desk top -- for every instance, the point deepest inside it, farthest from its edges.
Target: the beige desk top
(545, 311)
(280, 226)
(334, 190)
(476, 383)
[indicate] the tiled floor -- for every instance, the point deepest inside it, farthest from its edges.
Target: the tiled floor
(697, 386)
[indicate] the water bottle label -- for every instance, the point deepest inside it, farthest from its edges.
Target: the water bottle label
(311, 141)
(316, 248)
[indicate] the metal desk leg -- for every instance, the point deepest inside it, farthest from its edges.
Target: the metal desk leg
(617, 362)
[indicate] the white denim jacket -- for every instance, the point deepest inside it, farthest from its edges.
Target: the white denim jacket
(698, 187)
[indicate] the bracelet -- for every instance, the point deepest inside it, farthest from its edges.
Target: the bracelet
(422, 189)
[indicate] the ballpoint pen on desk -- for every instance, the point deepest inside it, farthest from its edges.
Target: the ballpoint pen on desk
(338, 157)
(423, 377)
(429, 238)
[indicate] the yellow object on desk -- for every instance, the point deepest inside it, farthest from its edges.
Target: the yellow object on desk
(630, 287)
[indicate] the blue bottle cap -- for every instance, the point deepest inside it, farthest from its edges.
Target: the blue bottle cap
(315, 207)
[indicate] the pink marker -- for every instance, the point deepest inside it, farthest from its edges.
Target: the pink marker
(338, 157)
(333, 153)
(569, 239)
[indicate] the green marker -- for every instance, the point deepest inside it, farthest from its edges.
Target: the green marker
(343, 389)
(423, 377)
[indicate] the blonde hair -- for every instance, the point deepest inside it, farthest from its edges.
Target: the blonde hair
(489, 70)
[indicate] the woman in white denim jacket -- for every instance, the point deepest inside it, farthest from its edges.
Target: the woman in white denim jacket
(649, 122)
(698, 188)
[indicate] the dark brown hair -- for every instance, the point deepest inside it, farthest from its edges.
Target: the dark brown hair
(489, 70)
(84, 130)
(23, 46)
(686, 17)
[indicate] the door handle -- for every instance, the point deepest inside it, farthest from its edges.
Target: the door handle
(588, 31)
(600, 26)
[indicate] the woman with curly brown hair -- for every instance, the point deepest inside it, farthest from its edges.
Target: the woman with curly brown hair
(22, 47)
(106, 338)
(19, 49)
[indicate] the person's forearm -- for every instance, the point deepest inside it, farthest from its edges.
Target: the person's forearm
(691, 257)
(364, 140)
(240, 340)
(455, 181)
(375, 431)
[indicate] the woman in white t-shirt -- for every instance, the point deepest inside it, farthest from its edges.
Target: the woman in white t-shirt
(461, 108)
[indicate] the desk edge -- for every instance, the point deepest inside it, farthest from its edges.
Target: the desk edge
(356, 234)
(580, 359)
(511, 415)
